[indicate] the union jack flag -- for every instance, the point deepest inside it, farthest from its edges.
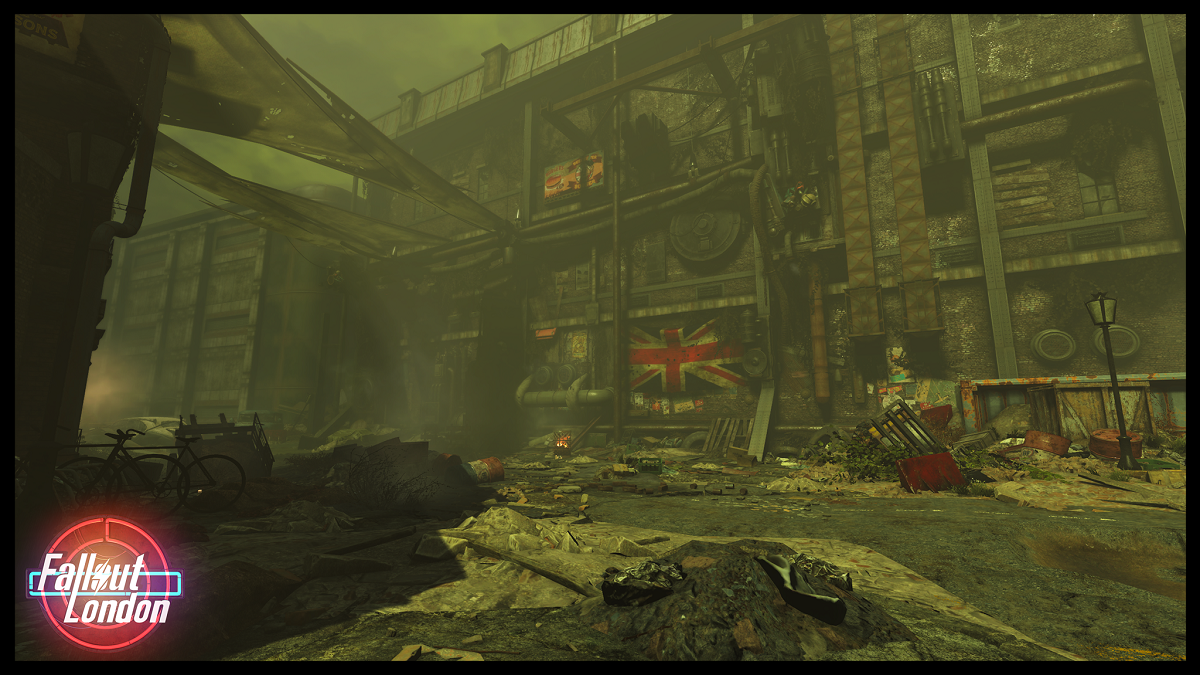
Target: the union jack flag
(700, 353)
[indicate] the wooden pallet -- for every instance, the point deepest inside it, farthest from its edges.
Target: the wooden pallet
(724, 432)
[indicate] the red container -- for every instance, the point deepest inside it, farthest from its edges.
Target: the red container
(1048, 442)
(1104, 444)
(938, 416)
(929, 472)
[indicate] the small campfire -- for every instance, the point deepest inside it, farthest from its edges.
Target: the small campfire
(563, 441)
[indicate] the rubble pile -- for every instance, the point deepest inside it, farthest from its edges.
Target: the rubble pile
(724, 605)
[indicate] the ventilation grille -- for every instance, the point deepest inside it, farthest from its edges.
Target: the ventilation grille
(710, 291)
(639, 300)
(1097, 237)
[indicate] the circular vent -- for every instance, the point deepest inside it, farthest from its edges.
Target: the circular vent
(566, 374)
(1054, 345)
(1125, 342)
(706, 235)
(543, 375)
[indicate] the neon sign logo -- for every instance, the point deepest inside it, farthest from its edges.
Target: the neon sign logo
(104, 584)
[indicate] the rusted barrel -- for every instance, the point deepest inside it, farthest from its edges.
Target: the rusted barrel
(1048, 442)
(444, 462)
(1104, 444)
(480, 471)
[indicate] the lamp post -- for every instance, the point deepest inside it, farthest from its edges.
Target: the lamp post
(1103, 311)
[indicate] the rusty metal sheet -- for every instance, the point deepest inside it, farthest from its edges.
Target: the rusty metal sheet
(429, 105)
(915, 260)
(632, 22)
(1080, 411)
(839, 29)
(578, 38)
(893, 55)
(448, 101)
(519, 64)
(472, 86)
(548, 49)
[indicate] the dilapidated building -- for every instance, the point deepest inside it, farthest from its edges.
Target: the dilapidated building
(814, 214)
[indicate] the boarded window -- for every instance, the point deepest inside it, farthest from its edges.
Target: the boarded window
(140, 336)
(216, 324)
(237, 238)
(150, 259)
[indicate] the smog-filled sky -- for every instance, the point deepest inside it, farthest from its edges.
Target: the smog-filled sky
(367, 60)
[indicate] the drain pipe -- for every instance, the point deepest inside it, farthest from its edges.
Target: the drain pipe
(99, 258)
(820, 362)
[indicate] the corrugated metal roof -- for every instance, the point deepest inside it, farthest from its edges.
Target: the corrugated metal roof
(537, 56)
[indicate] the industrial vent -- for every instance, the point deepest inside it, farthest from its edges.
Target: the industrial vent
(710, 291)
(639, 300)
(1097, 237)
(957, 256)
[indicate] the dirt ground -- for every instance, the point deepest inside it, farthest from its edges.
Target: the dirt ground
(967, 574)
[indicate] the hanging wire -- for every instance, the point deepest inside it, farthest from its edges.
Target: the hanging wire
(302, 255)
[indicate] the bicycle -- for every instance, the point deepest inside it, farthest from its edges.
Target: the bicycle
(221, 472)
(99, 483)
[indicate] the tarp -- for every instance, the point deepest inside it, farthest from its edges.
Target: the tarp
(286, 213)
(224, 78)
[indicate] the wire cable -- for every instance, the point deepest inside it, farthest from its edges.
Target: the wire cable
(737, 82)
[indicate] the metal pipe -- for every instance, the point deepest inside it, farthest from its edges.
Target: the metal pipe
(768, 261)
(99, 258)
(619, 346)
(558, 399)
(820, 363)
(1054, 107)
(522, 387)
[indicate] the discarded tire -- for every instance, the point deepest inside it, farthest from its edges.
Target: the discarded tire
(695, 441)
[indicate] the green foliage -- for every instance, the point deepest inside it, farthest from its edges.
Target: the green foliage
(1119, 477)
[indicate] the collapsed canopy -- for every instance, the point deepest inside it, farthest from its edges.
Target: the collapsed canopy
(225, 79)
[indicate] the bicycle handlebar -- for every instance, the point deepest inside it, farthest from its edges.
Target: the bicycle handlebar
(125, 435)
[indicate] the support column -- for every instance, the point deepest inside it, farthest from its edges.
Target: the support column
(1170, 104)
(985, 204)
(620, 341)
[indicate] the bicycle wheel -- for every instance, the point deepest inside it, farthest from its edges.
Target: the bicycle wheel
(80, 483)
(156, 484)
(215, 483)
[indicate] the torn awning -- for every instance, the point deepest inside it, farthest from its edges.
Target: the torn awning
(224, 78)
(286, 213)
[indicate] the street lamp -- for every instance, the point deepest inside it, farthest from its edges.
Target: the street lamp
(1103, 311)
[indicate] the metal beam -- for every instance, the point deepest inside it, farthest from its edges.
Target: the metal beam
(673, 90)
(985, 204)
(687, 59)
(1170, 104)
(719, 69)
(567, 127)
